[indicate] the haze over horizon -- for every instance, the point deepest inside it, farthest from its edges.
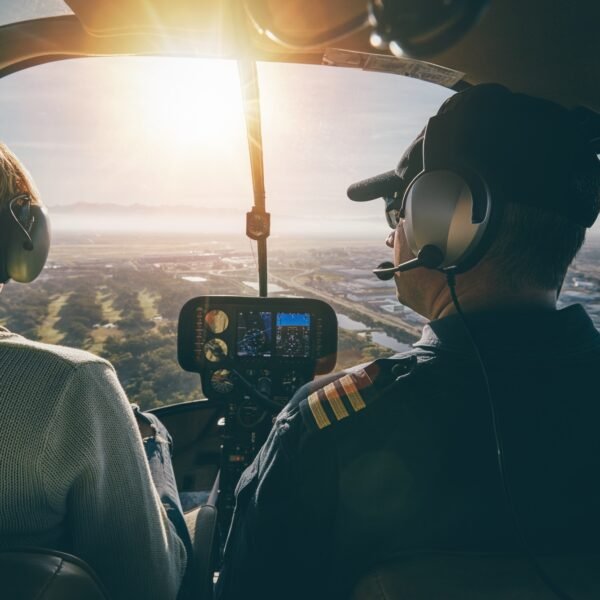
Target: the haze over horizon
(110, 218)
(169, 132)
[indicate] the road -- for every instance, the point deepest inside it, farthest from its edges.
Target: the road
(376, 317)
(292, 284)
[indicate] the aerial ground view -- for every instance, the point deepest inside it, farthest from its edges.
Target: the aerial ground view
(120, 297)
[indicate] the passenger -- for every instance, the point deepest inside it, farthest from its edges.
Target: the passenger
(75, 475)
(399, 457)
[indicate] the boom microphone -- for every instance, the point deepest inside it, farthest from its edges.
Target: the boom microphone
(382, 185)
(429, 256)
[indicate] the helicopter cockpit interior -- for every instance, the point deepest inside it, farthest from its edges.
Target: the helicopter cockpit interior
(246, 356)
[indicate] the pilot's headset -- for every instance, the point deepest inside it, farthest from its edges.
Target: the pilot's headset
(444, 200)
(473, 156)
(24, 238)
(448, 211)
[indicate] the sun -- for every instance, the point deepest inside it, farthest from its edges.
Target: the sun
(188, 101)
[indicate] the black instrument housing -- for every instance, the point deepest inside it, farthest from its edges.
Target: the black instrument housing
(193, 333)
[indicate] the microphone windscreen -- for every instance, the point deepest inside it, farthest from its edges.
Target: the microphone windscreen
(385, 270)
(375, 187)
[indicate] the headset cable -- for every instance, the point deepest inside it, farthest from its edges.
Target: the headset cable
(550, 584)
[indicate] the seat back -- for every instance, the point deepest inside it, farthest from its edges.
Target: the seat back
(202, 525)
(46, 575)
(472, 577)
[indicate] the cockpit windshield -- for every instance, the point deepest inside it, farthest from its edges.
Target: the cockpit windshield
(169, 133)
(13, 11)
(143, 164)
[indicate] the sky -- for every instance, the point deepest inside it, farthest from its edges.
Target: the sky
(12, 11)
(170, 132)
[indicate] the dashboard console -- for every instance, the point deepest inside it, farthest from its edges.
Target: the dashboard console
(252, 355)
(275, 344)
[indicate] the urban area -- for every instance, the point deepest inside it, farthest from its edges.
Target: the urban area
(120, 297)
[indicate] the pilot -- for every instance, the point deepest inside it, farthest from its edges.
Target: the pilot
(400, 457)
(75, 475)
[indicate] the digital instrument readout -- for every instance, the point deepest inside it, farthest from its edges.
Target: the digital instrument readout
(292, 335)
(255, 335)
(281, 342)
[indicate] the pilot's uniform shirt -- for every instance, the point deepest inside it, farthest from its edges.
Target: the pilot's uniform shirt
(399, 457)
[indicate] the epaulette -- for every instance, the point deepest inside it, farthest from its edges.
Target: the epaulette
(353, 392)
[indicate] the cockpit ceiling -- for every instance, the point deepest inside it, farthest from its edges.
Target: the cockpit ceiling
(548, 49)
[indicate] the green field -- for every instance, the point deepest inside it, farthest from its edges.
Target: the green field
(47, 330)
(126, 310)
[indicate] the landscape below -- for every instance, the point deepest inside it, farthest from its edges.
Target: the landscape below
(120, 296)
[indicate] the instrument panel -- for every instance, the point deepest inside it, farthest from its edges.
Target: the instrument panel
(252, 354)
(273, 344)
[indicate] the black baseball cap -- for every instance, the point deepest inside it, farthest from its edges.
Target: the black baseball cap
(528, 150)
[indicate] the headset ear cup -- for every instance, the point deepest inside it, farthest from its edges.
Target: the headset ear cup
(448, 210)
(24, 258)
(4, 277)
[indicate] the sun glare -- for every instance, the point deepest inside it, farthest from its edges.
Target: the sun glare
(187, 101)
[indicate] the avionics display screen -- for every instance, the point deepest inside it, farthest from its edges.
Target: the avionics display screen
(259, 333)
(292, 335)
(254, 334)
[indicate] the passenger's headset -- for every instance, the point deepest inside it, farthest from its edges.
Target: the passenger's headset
(449, 216)
(24, 239)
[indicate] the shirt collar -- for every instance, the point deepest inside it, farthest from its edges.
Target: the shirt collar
(517, 331)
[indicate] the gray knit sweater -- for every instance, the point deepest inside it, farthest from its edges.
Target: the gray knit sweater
(73, 473)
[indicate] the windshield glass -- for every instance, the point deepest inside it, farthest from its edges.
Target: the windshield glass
(143, 163)
(12, 11)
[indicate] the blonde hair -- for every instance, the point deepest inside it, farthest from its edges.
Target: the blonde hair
(15, 179)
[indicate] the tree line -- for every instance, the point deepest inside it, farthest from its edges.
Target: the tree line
(142, 348)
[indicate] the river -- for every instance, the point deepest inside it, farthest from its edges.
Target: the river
(383, 339)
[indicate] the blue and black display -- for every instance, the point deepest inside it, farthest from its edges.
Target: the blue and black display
(292, 335)
(274, 335)
(255, 335)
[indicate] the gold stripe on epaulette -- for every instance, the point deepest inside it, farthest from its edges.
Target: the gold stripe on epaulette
(339, 410)
(352, 392)
(317, 410)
